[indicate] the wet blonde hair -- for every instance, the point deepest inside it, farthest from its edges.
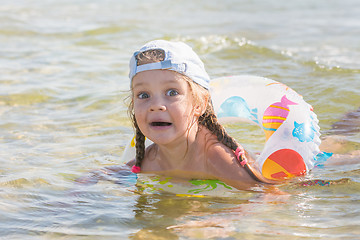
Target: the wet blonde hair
(201, 98)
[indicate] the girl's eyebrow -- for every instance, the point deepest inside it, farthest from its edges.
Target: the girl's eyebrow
(138, 84)
(173, 81)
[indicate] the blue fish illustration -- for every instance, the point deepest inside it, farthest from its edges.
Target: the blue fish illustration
(304, 131)
(236, 106)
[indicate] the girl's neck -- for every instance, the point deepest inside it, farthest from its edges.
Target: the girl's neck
(178, 155)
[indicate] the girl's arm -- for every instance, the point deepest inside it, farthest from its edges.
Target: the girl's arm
(117, 173)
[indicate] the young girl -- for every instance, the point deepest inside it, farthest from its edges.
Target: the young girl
(171, 106)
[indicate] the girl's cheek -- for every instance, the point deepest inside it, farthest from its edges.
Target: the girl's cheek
(137, 104)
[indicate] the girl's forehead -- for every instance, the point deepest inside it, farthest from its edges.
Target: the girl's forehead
(157, 77)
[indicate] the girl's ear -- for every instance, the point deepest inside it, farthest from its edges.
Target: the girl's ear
(197, 111)
(200, 108)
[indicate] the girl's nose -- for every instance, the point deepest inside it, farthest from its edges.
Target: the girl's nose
(157, 105)
(161, 108)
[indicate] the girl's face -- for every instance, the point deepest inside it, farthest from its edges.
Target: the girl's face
(163, 106)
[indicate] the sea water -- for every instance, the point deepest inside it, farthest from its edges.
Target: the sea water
(63, 89)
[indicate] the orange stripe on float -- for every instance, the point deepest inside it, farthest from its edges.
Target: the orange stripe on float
(274, 106)
(272, 124)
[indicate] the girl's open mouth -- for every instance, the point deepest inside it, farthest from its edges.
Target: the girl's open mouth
(160, 124)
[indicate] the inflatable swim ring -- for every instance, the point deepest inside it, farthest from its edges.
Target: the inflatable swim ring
(289, 123)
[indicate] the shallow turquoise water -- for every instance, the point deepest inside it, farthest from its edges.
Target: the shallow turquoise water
(63, 80)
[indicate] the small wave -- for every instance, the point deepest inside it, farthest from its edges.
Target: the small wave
(232, 46)
(241, 47)
(319, 66)
(23, 182)
(106, 30)
(26, 98)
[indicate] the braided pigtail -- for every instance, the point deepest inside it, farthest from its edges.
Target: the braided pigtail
(140, 149)
(210, 121)
(139, 140)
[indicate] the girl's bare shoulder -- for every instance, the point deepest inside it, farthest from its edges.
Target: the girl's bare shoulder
(220, 157)
(221, 162)
(214, 150)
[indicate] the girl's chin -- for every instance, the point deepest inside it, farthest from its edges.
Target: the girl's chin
(166, 139)
(162, 140)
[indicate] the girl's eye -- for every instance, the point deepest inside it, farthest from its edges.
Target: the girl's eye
(143, 95)
(172, 92)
